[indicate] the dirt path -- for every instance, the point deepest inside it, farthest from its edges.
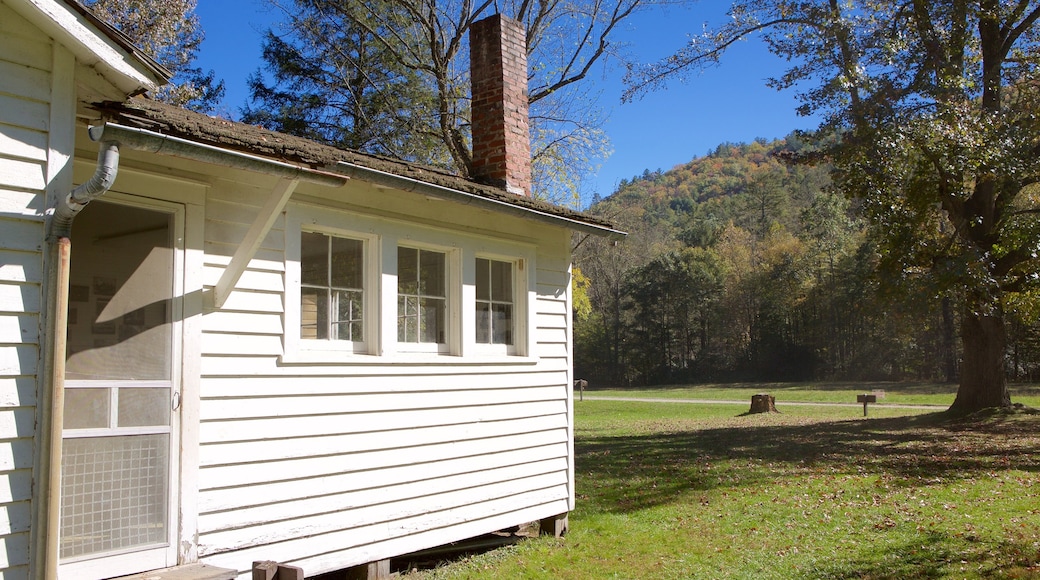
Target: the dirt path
(745, 403)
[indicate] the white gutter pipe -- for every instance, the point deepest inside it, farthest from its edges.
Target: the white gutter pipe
(103, 178)
(59, 260)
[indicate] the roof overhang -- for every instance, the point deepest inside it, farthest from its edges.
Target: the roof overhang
(433, 190)
(94, 43)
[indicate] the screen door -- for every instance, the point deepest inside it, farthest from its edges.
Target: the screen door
(121, 390)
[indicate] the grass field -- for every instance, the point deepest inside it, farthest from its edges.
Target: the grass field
(696, 491)
(895, 393)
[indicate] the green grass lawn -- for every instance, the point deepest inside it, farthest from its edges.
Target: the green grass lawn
(895, 393)
(697, 491)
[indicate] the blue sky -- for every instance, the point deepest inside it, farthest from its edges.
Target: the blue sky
(729, 103)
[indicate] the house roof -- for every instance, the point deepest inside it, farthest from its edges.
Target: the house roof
(96, 45)
(211, 131)
(124, 41)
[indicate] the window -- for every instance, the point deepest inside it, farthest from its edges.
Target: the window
(369, 290)
(494, 304)
(422, 299)
(332, 293)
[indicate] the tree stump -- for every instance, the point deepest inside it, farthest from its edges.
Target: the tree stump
(763, 403)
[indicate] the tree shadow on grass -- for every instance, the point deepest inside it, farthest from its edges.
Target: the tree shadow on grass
(933, 555)
(642, 471)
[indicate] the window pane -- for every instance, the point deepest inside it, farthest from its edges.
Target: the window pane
(431, 274)
(113, 493)
(348, 315)
(432, 319)
(501, 281)
(332, 274)
(86, 408)
(314, 259)
(483, 323)
(483, 279)
(347, 263)
(407, 271)
(502, 323)
(314, 310)
(143, 407)
(407, 319)
(122, 284)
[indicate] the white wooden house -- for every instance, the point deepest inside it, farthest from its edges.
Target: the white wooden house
(250, 347)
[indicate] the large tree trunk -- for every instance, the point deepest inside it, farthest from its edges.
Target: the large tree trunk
(983, 383)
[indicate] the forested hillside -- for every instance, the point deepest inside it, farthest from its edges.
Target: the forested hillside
(742, 266)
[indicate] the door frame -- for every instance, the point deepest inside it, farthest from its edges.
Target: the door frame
(184, 199)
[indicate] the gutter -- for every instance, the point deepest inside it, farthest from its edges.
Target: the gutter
(153, 142)
(59, 262)
(421, 187)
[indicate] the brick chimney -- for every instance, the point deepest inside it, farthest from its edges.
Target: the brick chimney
(498, 74)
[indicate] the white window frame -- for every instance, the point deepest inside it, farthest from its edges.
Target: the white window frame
(383, 235)
(452, 280)
(309, 219)
(520, 302)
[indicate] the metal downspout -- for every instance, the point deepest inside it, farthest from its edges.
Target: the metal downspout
(59, 251)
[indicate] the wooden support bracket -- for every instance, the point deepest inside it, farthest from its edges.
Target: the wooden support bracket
(280, 195)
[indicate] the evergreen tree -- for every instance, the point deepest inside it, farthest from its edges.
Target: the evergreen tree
(391, 76)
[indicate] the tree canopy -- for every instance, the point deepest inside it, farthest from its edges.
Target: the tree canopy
(169, 32)
(930, 109)
(713, 284)
(391, 77)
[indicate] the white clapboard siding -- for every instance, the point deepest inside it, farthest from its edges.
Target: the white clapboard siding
(552, 320)
(14, 550)
(25, 204)
(331, 464)
(219, 254)
(17, 360)
(361, 366)
(26, 82)
(276, 492)
(348, 504)
(24, 113)
(278, 449)
(241, 344)
(241, 322)
(24, 235)
(20, 267)
(232, 235)
(550, 305)
(252, 473)
(401, 537)
(248, 301)
(19, 329)
(369, 402)
(22, 174)
(368, 508)
(17, 392)
(19, 298)
(25, 89)
(21, 45)
(19, 142)
(250, 280)
(15, 518)
(363, 534)
(314, 426)
(500, 378)
(16, 454)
